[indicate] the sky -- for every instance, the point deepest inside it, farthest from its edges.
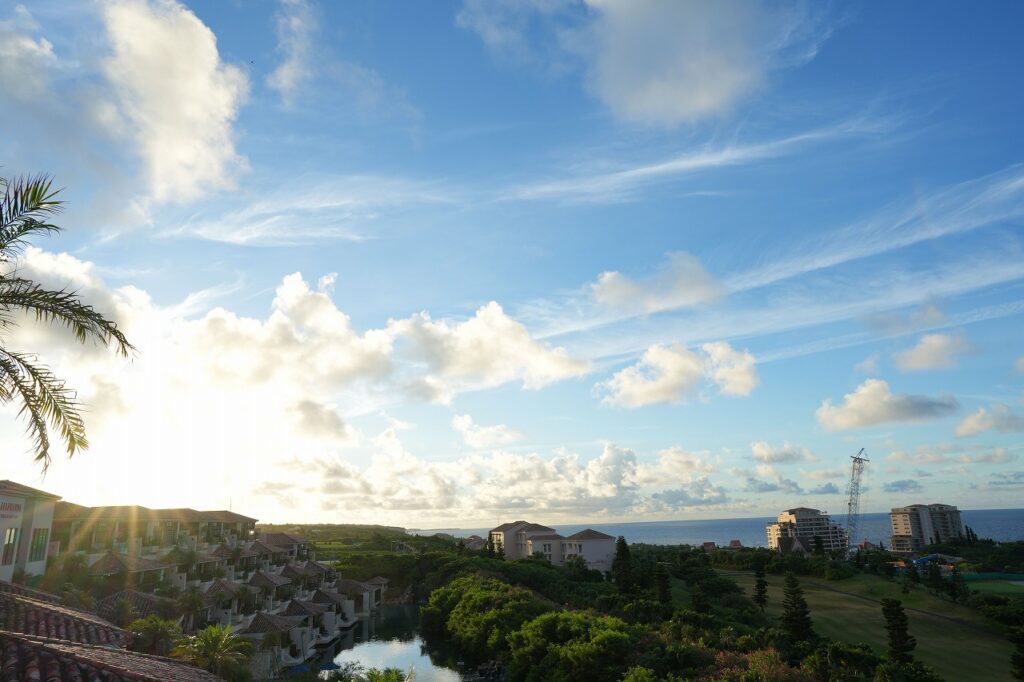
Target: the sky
(453, 263)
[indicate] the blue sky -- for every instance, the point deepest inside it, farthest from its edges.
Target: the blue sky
(450, 263)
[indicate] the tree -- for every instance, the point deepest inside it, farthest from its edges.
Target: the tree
(191, 604)
(1016, 637)
(796, 616)
(664, 585)
(154, 635)
(901, 644)
(760, 587)
(936, 585)
(622, 566)
(47, 403)
(214, 649)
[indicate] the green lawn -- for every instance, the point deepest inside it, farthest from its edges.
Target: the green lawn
(958, 642)
(1002, 587)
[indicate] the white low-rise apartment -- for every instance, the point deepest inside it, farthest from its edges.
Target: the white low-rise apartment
(26, 516)
(522, 539)
(799, 527)
(918, 525)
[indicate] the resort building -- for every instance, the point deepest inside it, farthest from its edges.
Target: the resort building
(801, 528)
(918, 525)
(26, 517)
(521, 539)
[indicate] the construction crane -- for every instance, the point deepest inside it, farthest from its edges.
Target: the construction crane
(853, 506)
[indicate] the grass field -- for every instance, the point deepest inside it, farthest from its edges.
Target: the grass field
(1005, 588)
(958, 642)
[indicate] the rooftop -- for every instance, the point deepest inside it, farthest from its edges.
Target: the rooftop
(45, 619)
(590, 534)
(19, 490)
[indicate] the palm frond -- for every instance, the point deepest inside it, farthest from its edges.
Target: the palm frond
(45, 399)
(63, 307)
(26, 205)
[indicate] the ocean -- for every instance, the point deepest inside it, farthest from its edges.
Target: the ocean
(998, 524)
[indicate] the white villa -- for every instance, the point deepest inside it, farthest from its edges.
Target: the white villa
(522, 539)
(26, 515)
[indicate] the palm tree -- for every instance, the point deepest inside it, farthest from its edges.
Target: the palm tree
(46, 401)
(154, 635)
(214, 649)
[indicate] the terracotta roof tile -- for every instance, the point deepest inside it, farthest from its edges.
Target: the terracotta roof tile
(30, 659)
(45, 619)
(38, 595)
(143, 604)
(269, 622)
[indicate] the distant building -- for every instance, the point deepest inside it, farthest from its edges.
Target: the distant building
(522, 539)
(26, 516)
(805, 526)
(918, 525)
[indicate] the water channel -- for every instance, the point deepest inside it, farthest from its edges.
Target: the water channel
(390, 639)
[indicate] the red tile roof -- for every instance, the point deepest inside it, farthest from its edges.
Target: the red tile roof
(269, 622)
(38, 595)
(112, 563)
(45, 619)
(143, 604)
(31, 659)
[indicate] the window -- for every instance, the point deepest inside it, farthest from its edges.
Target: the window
(10, 547)
(40, 538)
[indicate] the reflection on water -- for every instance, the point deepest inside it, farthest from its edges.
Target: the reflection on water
(389, 639)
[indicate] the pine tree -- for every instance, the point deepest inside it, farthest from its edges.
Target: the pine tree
(901, 644)
(796, 616)
(664, 585)
(1016, 636)
(760, 587)
(936, 584)
(622, 566)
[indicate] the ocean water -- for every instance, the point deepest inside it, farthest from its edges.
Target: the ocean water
(998, 524)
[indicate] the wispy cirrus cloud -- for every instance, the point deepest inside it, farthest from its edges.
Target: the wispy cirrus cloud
(295, 25)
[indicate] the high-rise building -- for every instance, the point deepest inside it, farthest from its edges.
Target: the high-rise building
(918, 525)
(805, 524)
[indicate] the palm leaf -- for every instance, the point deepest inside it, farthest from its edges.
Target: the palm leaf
(63, 307)
(26, 204)
(45, 399)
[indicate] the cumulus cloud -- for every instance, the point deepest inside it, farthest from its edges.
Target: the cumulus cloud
(998, 417)
(479, 436)
(295, 25)
(933, 351)
(779, 485)
(825, 489)
(763, 452)
(25, 60)
(682, 282)
(654, 62)
(1011, 479)
(665, 374)
(322, 421)
(699, 493)
(732, 370)
(874, 403)
(670, 374)
(174, 96)
(868, 365)
(488, 349)
(905, 485)
(673, 465)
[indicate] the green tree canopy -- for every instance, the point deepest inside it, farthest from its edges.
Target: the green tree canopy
(796, 616)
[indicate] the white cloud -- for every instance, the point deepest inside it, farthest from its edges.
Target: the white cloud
(874, 403)
(669, 62)
(998, 417)
(826, 474)
(295, 25)
(933, 351)
(488, 349)
(25, 61)
(673, 465)
(1019, 364)
(653, 62)
(663, 375)
(174, 96)
(670, 374)
(318, 420)
(789, 452)
(682, 282)
(478, 436)
(732, 370)
(868, 365)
